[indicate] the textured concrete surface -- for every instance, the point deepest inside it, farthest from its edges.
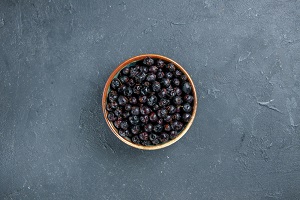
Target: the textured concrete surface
(55, 57)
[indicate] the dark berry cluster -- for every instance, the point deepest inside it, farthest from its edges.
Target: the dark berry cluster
(150, 102)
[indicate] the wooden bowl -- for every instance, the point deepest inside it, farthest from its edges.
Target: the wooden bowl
(107, 89)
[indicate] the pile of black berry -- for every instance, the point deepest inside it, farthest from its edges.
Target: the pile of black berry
(150, 102)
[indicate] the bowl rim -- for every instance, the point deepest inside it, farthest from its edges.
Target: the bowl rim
(106, 89)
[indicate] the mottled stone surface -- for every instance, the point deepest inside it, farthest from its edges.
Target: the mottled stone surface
(244, 58)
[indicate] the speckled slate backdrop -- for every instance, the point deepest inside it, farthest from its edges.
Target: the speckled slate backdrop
(244, 58)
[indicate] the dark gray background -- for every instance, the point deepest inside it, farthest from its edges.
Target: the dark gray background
(244, 58)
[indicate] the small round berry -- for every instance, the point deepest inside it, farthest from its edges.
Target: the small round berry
(122, 100)
(124, 125)
(155, 107)
(160, 75)
(122, 133)
(151, 77)
(169, 75)
(111, 117)
(171, 67)
(114, 105)
(160, 63)
(148, 127)
(151, 101)
(188, 98)
(183, 77)
(165, 82)
(133, 100)
(117, 123)
(143, 99)
(187, 107)
(145, 90)
(135, 129)
(178, 73)
(121, 88)
(171, 109)
(115, 83)
(167, 127)
(135, 139)
(125, 114)
(128, 91)
(186, 117)
(108, 107)
(173, 134)
(125, 71)
(144, 119)
(144, 110)
(156, 86)
(160, 121)
(157, 128)
(176, 116)
(143, 136)
(153, 117)
(137, 89)
(155, 142)
(178, 91)
(168, 118)
(118, 112)
(152, 136)
(148, 61)
(162, 113)
(124, 79)
(177, 100)
(134, 120)
(164, 102)
(176, 81)
(163, 93)
(153, 69)
(135, 110)
(164, 137)
(127, 107)
(186, 87)
(112, 96)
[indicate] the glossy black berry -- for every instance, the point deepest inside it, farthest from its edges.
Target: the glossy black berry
(169, 75)
(157, 128)
(165, 82)
(111, 117)
(160, 63)
(118, 112)
(144, 119)
(122, 100)
(178, 91)
(188, 98)
(148, 127)
(143, 99)
(176, 116)
(156, 86)
(186, 88)
(171, 67)
(133, 100)
(160, 75)
(135, 110)
(178, 73)
(153, 117)
(125, 71)
(173, 134)
(127, 107)
(148, 61)
(187, 107)
(177, 100)
(152, 136)
(108, 107)
(163, 93)
(153, 69)
(125, 115)
(168, 118)
(164, 137)
(144, 136)
(155, 107)
(144, 110)
(183, 77)
(186, 117)
(152, 100)
(134, 120)
(135, 139)
(146, 143)
(151, 77)
(115, 83)
(135, 129)
(124, 79)
(112, 96)
(114, 105)
(124, 125)
(137, 89)
(117, 123)
(127, 91)
(164, 102)
(176, 82)
(167, 127)
(171, 109)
